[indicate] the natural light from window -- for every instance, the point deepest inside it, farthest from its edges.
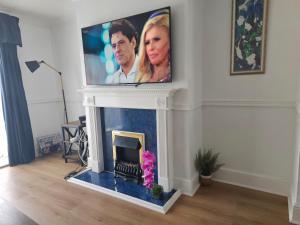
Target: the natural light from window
(3, 145)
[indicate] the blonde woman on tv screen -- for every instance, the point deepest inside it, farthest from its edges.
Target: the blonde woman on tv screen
(154, 49)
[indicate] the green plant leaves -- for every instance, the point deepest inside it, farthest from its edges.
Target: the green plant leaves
(206, 162)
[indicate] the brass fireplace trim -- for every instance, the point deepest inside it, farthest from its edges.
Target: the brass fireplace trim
(139, 136)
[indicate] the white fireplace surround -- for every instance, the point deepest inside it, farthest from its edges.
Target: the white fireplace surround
(160, 100)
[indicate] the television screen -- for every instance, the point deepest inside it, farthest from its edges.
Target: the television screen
(132, 50)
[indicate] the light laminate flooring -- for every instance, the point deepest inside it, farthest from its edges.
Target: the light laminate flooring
(39, 191)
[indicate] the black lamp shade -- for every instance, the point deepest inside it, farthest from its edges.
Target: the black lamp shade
(32, 65)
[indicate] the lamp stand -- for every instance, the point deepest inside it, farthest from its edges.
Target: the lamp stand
(63, 94)
(62, 88)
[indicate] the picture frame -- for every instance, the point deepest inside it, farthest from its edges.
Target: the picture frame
(248, 37)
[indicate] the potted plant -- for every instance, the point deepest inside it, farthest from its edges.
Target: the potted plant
(157, 191)
(206, 162)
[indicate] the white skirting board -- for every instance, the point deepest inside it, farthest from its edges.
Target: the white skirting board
(235, 177)
(161, 209)
(252, 181)
(188, 187)
(294, 212)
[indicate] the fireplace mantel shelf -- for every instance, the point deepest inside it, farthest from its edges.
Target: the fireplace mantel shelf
(129, 97)
(129, 91)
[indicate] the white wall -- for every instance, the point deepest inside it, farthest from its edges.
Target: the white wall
(66, 45)
(294, 195)
(250, 119)
(187, 113)
(279, 81)
(92, 12)
(42, 88)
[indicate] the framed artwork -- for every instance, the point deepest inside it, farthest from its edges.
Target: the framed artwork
(248, 36)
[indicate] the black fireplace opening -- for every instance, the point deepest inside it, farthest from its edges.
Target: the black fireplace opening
(127, 164)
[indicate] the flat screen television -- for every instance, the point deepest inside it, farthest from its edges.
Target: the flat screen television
(132, 50)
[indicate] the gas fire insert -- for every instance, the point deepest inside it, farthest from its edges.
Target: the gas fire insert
(127, 154)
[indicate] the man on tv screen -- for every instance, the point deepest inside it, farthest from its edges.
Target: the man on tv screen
(123, 37)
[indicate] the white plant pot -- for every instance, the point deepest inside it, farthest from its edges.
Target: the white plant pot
(205, 180)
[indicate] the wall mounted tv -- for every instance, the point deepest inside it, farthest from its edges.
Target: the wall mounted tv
(132, 50)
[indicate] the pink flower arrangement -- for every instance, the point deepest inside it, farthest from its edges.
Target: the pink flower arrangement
(148, 167)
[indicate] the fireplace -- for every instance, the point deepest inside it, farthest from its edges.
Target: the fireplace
(127, 154)
(149, 112)
(97, 100)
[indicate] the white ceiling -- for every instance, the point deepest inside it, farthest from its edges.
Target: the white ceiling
(51, 9)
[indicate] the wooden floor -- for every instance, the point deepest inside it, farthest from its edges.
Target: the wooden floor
(39, 191)
(9, 215)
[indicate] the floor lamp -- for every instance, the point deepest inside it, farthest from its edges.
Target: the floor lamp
(34, 65)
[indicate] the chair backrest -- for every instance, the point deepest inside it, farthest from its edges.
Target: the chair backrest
(82, 120)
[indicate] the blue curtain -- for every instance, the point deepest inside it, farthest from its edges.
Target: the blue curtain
(15, 111)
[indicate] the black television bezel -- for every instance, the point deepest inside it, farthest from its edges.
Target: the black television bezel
(133, 84)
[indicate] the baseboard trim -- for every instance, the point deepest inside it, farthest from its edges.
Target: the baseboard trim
(188, 187)
(252, 181)
(294, 212)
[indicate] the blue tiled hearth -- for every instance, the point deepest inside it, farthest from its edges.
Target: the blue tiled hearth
(127, 190)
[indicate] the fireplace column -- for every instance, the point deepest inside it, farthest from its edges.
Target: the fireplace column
(94, 131)
(164, 126)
